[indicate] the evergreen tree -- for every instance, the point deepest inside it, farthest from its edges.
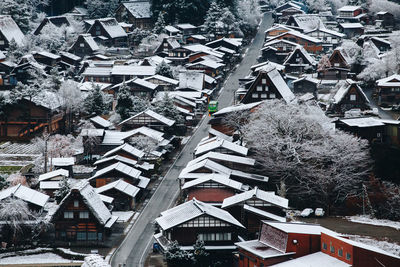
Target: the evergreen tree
(159, 26)
(64, 189)
(19, 10)
(176, 257)
(101, 8)
(200, 254)
(3, 183)
(211, 21)
(167, 108)
(124, 102)
(94, 102)
(164, 69)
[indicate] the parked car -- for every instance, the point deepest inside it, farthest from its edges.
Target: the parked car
(319, 212)
(306, 212)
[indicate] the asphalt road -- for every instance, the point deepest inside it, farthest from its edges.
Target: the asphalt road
(135, 247)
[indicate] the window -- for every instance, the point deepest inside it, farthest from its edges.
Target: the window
(1, 42)
(84, 215)
(81, 45)
(272, 95)
(336, 64)
(92, 235)
(76, 203)
(254, 95)
(348, 256)
(81, 236)
(340, 252)
(263, 95)
(259, 88)
(332, 249)
(324, 246)
(264, 81)
(215, 236)
(353, 97)
(68, 215)
(266, 88)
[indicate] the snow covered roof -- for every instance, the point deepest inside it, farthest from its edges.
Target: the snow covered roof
(341, 93)
(171, 29)
(94, 260)
(259, 194)
(354, 25)
(308, 21)
(362, 122)
(332, 32)
(49, 185)
(90, 41)
(163, 78)
(191, 79)
(70, 56)
(300, 35)
(185, 26)
(139, 9)
(133, 70)
(117, 158)
(224, 157)
(47, 99)
(215, 143)
(391, 81)
(119, 167)
(222, 179)
(113, 138)
(125, 148)
(260, 249)
(300, 228)
(154, 115)
(264, 213)
(63, 161)
(205, 49)
(97, 71)
(190, 171)
(47, 54)
(53, 174)
(10, 30)
(111, 26)
(191, 210)
(300, 49)
(101, 121)
(26, 194)
(92, 132)
(349, 8)
(314, 260)
(207, 63)
(236, 108)
(280, 85)
(173, 43)
(121, 186)
(146, 131)
(219, 134)
(139, 82)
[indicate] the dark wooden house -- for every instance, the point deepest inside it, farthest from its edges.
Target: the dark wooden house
(57, 21)
(9, 30)
(138, 87)
(111, 33)
(386, 18)
(299, 61)
(82, 217)
(388, 90)
(310, 44)
(125, 194)
(340, 65)
(85, 45)
(149, 119)
(138, 13)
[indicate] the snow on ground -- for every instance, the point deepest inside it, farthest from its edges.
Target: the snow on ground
(37, 258)
(393, 248)
(123, 216)
(366, 219)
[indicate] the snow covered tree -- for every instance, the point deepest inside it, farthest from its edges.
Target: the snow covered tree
(94, 102)
(150, 43)
(16, 178)
(212, 19)
(323, 64)
(167, 108)
(70, 98)
(101, 8)
(124, 101)
(19, 10)
(164, 69)
(237, 121)
(176, 257)
(64, 189)
(3, 183)
(159, 26)
(248, 12)
(317, 5)
(144, 143)
(200, 254)
(297, 145)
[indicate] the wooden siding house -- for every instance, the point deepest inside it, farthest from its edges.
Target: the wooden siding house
(138, 87)
(310, 44)
(299, 61)
(57, 21)
(9, 30)
(137, 13)
(85, 45)
(149, 119)
(340, 65)
(125, 194)
(82, 217)
(277, 50)
(388, 90)
(110, 32)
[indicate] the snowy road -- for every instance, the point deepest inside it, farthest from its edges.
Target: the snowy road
(134, 249)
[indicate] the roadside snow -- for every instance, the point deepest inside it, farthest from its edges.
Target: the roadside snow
(37, 258)
(366, 219)
(392, 248)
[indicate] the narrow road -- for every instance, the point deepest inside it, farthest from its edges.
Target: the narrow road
(134, 248)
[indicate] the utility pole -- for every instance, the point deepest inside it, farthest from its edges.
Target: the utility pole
(46, 135)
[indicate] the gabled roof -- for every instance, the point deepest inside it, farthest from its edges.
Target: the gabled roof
(300, 228)
(259, 194)
(171, 29)
(111, 27)
(100, 121)
(56, 173)
(341, 93)
(314, 260)
(119, 167)
(191, 79)
(328, 31)
(117, 158)
(300, 35)
(10, 30)
(173, 43)
(139, 9)
(125, 148)
(237, 108)
(263, 213)
(207, 63)
(154, 115)
(354, 25)
(90, 41)
(121, 186)
(163, 78)
(131, 70)
(139, 82)
(301, 50)
(308, 22)
(191, 210)
(26, 194)
(205, 49)
(349, 8)
(393, 80)
(69, 161)
(215, 143)
(224, 157)
(218, 178)
(146, 131)
(219, 134)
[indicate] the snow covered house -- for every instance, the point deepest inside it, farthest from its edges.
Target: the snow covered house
(85, 45)
(82, 217)
(109, 31)
(46, 58)
(386, 19)
(219, 145)
(299, 61)
(120, 73)
(145, 167)
(310, 44)
(349, 96)
(252, 206)
(231, 43)
(210, 67)
(100, 122)
(305, 22)
(330, 38)
(212, 188)
(388, 90)
(370, 128)
(228, 160)
(305, 84)
(339, 66)
(50, 181)
(352, 14)
(9, 30)
(34, 199)
(149, 119)
(186, 29)
(57, 21)
(280, 242)
(165, 83)
(125, 150)
(194, 220)
(277, 50)
(138, 87)
(125, 194)
(167, 46)
(138, 13)
(351, 29)
(268, 84)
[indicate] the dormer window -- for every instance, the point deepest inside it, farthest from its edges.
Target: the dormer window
(76, 203)
(353, 97)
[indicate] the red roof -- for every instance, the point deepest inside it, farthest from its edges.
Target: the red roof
(210, 194)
